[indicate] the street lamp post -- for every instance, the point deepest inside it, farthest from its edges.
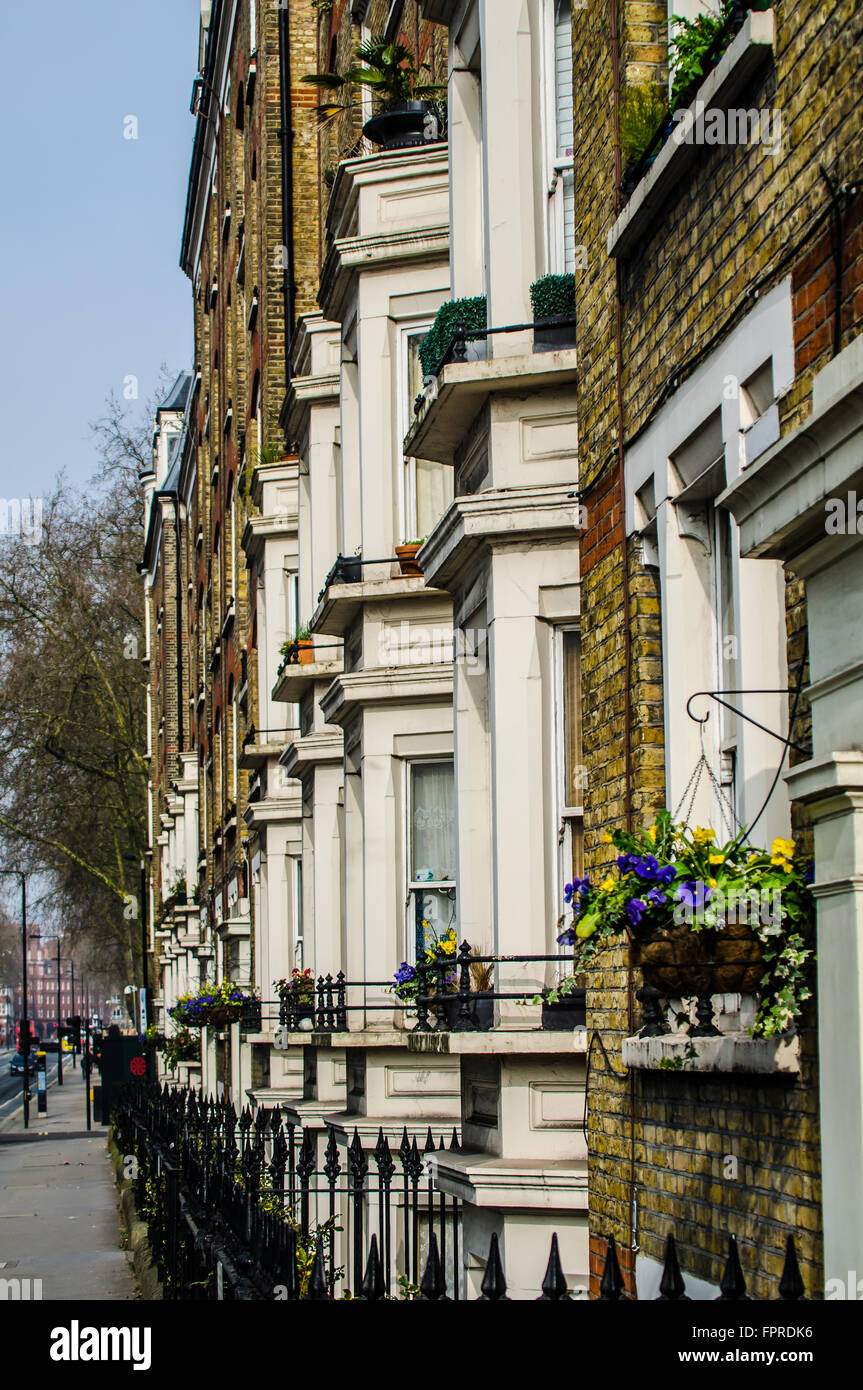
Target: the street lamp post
(25, 1021)
(59, 1020)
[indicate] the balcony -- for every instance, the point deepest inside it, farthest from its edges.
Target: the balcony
(456, 391)
(443, 1012)
(303, 665)
(354, 581)
(259, 746)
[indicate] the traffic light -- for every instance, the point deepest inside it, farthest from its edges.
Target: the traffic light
(73, 1028)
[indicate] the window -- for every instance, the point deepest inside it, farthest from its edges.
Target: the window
(428, 486)
(431, 848)
(296, 869)
(570, 763)
(560, 174)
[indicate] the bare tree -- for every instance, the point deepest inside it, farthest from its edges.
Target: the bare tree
(73, 769)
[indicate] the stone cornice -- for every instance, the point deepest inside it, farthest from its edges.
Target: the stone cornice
(400, 684)
(498, 516)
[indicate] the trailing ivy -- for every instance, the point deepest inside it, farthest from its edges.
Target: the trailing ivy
(470, 312)
(553, 295)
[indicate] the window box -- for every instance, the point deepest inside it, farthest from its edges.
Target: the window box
(750, 50)
(553, 301)
(730, 1053)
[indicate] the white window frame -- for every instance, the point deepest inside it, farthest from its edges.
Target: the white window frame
(567, 811)
(407, 471)
(445, 884)
(554, 166)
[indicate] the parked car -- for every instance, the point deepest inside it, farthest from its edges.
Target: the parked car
(16, 1066)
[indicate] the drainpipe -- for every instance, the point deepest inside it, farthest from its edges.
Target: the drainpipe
(181, 741)
(286, 137)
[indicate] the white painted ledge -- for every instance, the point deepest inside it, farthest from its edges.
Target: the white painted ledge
(728, 1054)
(751, 48)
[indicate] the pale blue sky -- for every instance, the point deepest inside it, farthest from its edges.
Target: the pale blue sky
(91, 222)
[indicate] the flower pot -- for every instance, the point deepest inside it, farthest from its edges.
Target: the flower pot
(305, 650)
(554, 336)
(404, 124)
(684, 964)
(406, 556)
(351, 570)
(562, 1015)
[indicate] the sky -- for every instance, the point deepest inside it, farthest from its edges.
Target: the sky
(92, 292)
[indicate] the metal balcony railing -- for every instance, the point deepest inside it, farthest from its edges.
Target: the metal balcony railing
(442, 1001)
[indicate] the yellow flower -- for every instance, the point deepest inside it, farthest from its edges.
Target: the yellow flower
(652, 833)
(607, 886)
(711, 883)
(716, 858)
(782, 863)
(703, 836)
(606, 839)
(783, 849)
(753, 855)
(448, 946)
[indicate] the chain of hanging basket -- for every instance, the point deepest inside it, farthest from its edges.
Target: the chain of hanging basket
(691, 791)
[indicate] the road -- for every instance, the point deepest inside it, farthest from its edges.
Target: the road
(10, 1086)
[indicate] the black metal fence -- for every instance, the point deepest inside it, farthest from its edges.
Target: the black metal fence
(246, 1208)
(249, 1203)
(443, 1000)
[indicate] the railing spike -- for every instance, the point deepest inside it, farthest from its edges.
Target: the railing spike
(732, 1285)
(373, 1288)
(554, 1284)
(493, 1281)
(433, 1283)
(429, 1144)
(671, 1285)
(453, 1143)
(611, 1285)
(317, 1290)
(791, 1286)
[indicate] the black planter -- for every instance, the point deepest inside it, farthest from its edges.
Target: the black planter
(350, 569)
(404, 125)
(565, 1014)
(481, 1009)
(554, 335)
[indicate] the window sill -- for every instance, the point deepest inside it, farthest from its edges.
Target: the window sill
(750, 50)
(727, 1054)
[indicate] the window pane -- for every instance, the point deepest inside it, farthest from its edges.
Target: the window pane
(432, 482)
(432, 849)
(573, 788)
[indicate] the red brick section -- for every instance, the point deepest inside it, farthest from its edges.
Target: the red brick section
(601, 534)
(625, 1258)
(814, 288)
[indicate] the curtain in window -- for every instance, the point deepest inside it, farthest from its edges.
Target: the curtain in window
(432, 822)
(433, 482)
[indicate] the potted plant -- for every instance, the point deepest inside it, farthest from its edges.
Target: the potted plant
(703, 919)
(300, 648)
(406, 554)
(643, 112)
(412, 109)
(213, 1006)
(297, 998)
(553, 301)
(439, 976)
(471, 313)
(182, 1046)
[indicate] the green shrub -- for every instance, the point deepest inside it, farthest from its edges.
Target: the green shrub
(470, 312)
(553, 295)
(642, 111)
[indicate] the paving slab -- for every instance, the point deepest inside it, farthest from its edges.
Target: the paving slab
(59, 1221)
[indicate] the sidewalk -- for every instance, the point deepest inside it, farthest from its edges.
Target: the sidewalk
(58, 1214)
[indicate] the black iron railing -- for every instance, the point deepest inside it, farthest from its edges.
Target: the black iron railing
(443, 999)
(456, 351)
(259, 1205)
(243, 1207)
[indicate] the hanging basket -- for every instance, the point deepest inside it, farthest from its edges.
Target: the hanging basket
(683, 964)
(228, 1013)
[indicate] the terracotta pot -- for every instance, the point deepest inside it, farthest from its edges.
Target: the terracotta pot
(686, 964)
(406, 556)
(305, 650)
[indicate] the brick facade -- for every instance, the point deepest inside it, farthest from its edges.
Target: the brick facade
(740, 220)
